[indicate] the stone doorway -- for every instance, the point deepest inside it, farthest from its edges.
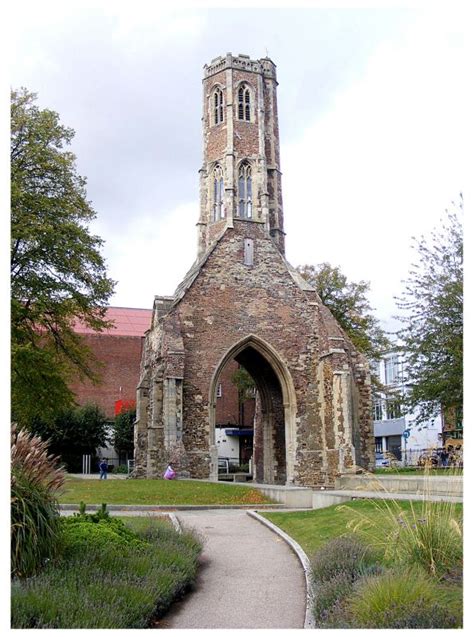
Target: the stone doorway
(273, 412)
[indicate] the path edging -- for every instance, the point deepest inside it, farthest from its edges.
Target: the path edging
(168, 507)
(304, 560)
(175, 522)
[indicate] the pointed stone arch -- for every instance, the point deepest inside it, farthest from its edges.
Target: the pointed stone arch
(288, 395)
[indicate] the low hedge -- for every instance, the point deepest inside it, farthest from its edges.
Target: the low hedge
(108, 576)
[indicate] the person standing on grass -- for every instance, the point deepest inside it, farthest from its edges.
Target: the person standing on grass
(103, 467)
(444, 456)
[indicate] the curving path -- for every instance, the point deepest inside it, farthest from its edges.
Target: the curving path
(249, 577)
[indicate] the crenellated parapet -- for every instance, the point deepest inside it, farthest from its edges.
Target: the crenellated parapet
(241, 62)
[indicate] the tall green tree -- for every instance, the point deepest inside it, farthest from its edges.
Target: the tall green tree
(73, 432)
(122, 431)
(58, 275)
(432, 318)
(349, 305)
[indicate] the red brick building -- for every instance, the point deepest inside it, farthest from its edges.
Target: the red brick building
(119, 351)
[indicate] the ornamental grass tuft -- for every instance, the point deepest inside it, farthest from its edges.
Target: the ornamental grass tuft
(36, 478)
(407, 598)
(430, 537)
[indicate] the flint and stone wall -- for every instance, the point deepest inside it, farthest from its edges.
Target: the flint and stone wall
(224, 303)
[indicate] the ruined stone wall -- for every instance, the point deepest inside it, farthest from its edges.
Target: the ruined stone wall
(227, 302)
(319, 422)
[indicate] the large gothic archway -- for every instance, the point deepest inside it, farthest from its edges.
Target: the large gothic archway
(275, 420)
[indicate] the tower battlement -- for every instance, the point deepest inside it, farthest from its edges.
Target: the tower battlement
(241, 62)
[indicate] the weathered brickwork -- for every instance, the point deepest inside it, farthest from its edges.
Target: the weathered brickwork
(312, 414)
(119, 358)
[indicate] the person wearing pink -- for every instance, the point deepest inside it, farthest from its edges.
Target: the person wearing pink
(169, 474)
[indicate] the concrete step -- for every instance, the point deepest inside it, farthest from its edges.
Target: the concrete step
(433, 485)
(329, 497)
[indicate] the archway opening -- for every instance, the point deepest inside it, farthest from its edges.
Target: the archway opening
(250, 417)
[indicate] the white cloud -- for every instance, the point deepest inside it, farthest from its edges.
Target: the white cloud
(383, 164)
(149, 256)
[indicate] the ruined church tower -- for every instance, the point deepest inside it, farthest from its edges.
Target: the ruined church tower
(242, 301)
(240, 177)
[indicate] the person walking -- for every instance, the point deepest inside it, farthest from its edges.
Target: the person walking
(444, 456)
(103, 467)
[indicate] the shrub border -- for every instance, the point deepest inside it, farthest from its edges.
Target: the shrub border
(309, 621)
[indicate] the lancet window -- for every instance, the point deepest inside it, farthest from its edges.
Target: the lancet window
(244, 103)
(218, 106)
(245, 191)
(218, 193)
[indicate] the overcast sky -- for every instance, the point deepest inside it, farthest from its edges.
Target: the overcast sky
(374, 109)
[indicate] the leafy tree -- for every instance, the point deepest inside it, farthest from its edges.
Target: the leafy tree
(57, 273)
(122, 436)
(246, 387)
(432, 319)
(74, 432)
(350, 307)
(244, 383)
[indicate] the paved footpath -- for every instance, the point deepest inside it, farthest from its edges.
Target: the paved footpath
(249, 576)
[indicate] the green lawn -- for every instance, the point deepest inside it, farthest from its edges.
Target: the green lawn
(312, 529)
(156, 492)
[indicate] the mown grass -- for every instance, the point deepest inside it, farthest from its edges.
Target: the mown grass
(157, 492)
(108, 584)
(312, 529)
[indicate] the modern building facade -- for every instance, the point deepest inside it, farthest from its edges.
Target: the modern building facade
(396, 432)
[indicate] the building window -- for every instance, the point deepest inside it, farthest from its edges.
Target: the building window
(244, 103)
(378, 445)
(393, 409)
(375, 369)
(245, 191)
(218, 106)
(394, 446)
(378, 409)
(219, 390)
(218, 194)
(392, 369)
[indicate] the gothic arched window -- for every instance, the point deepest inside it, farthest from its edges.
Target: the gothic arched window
(245, 191)
(243, 103)
(218, 106)
(218, 199)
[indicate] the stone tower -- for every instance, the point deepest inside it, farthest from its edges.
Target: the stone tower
(240, 177)
(243, 301)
